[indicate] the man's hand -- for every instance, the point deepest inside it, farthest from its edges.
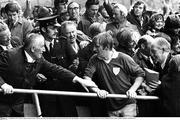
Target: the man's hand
(41, 77)
(85, 83)
(83, 44)
(7, 89)
(131, 93)
(102, 93)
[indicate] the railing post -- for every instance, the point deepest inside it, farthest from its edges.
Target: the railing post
(37, 104)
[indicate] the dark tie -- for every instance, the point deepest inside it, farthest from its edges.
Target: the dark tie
(50, 47)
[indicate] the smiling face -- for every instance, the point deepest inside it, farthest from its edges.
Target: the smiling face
(70, 32)
(158, 24)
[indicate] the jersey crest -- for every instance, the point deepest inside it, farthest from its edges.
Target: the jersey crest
(116, 70)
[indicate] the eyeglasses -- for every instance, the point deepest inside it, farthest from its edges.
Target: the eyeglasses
(74, 8)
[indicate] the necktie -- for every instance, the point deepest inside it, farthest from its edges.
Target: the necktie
(50, 47)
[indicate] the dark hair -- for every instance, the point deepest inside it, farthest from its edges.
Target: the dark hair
(91, 2)
(105, 40)
(139, 2)
(56, 2)
(13, 7)
(154, 18)
(123, 37)
(96, 28)
(2, 10)
(144, 40)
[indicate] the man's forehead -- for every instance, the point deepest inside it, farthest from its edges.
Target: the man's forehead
(74, 4)
(12, 13)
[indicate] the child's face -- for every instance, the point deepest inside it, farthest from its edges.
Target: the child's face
(159, 24)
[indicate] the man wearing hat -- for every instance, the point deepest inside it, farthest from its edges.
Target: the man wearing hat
(56, 52)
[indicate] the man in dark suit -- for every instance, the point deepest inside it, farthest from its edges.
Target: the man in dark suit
(18, 69)
(169, 68)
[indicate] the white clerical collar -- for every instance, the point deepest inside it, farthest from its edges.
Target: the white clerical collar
(5, 47)
(164, 62)
(29, 58)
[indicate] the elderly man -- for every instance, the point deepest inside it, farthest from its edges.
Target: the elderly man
(113, 75)
(18, 26)
(119, 21)
(18, 69)
(169, 76)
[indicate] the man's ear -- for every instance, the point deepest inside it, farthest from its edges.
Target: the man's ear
(143, 46)
(32, 49)
(43, 29)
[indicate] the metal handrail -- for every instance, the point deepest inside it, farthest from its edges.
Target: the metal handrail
(80, 94)
(65, 93)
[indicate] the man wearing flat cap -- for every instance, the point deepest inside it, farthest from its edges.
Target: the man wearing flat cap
(57, 51)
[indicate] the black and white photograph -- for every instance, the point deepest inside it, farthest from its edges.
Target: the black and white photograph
(89, 59)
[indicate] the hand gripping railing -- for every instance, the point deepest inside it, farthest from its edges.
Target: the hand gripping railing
(80, 94)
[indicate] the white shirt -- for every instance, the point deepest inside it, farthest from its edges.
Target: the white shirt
(29, 58)
(6, 47)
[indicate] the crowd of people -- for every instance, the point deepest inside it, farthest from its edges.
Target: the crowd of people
(105, 50)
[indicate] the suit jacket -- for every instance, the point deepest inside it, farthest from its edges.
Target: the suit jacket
(14, 70)
(142, 61)
(61, 53)
(170, 87)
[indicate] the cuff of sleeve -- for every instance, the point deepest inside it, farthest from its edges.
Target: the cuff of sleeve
(1, 81)
(75, 79)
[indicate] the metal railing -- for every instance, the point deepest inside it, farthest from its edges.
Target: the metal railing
(78, 94)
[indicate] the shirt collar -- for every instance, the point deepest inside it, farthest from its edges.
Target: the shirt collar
(164, 63)
(115, 53)
(29, 58)
(5, 47)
